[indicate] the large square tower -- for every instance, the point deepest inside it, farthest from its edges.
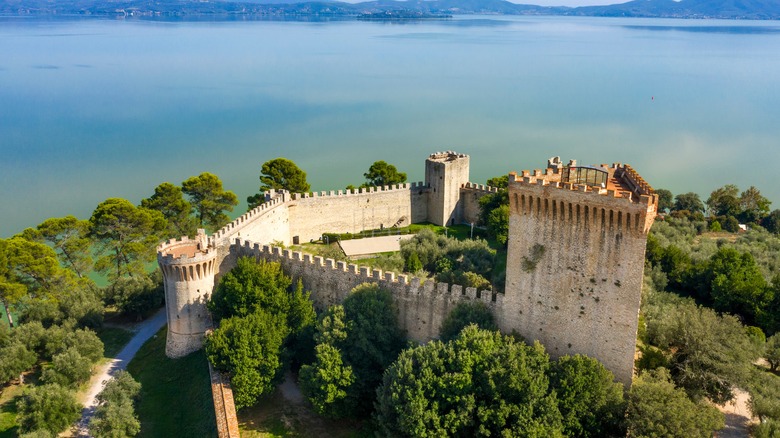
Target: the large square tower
(445, 173)
(575, 260)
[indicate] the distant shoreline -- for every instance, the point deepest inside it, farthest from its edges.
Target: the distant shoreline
(386, 9)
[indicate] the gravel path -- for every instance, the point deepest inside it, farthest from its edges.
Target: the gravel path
(738, 416)
(144, 331)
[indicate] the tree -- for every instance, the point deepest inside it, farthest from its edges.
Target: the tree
(126, 237)
(665, 200)
(68, 369)
(753, 206)
(326, 381)
(253, 285)
(724, 201)
(413, 264)
(772, 352)
(657, 409)
(772, 222)
(498, 224)
(480, 384)
(209, 200)
(50, 407)
(688, 202)
(279, 174)
(383, 174)
(590, 402)
(115, 414)
(169, 200)
(15, 358)
(464, 314)
(738, 286)
(709, 354)
(29, 269)
(69, 237)
(250, 349)
(355, 343)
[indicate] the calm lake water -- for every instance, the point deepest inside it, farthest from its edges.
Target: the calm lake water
(91, 109)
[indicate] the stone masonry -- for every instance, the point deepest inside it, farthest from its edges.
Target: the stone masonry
(574, 265)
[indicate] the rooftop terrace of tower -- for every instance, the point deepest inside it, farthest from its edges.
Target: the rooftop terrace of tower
(619, 179)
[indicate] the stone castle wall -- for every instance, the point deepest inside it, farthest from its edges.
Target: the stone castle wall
(421, 306)
(574, 268)
(470, 195)
(368, 209)
(574, 264)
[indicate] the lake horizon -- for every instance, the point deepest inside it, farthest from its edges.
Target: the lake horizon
(93, 108)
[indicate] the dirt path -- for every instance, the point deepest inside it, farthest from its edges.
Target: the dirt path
(737, 416)
(144, 331)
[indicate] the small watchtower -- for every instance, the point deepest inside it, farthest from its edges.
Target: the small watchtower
(445, 173)
(188, 267)
(575, 260)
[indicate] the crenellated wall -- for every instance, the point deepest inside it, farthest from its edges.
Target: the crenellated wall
(575, 262)
(470, 194)
(574, 265)
(365, 209)
(421, 306)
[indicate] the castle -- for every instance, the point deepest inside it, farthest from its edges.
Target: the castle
(575, 255)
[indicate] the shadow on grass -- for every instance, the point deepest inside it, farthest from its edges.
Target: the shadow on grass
(8, 399)
(175, 393)
(274, 416)
(114, 339)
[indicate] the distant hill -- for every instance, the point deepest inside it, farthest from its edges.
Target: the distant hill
(725, 9)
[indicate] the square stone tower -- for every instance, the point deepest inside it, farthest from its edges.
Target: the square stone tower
(575, 260)
(445, 173)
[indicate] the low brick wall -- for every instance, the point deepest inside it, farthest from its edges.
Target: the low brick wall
(224, 407)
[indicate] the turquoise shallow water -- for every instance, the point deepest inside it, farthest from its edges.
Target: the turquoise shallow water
(91, 109)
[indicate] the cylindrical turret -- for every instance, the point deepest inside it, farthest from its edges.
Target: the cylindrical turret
(188, 268)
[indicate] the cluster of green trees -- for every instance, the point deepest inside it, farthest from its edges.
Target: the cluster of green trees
(726, 208)
(283, 174)
(706, 333)
(740, 277)
(47, 277)
(264, 326)
(114, 415)
(355, 342)
(469, 263)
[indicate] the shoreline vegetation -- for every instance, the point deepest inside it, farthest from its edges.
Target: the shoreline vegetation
(383, 10)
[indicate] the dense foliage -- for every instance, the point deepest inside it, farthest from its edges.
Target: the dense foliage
(656, 408)
(464, 314)
(49, 407)
(483, 383)
(209, 200)
(279, 174)
(383, 174)
(355, 343)
(264, 324)
(115, 415)
(468, 262)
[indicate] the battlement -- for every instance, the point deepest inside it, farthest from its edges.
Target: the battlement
(446, 156)
(392, 281)
(623, 184)
(359, 191)
(184, 250)
(480, 187)
(274, 199)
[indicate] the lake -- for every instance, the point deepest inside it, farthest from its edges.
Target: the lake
(92, 109)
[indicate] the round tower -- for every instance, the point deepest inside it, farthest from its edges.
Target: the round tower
(188, 268)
